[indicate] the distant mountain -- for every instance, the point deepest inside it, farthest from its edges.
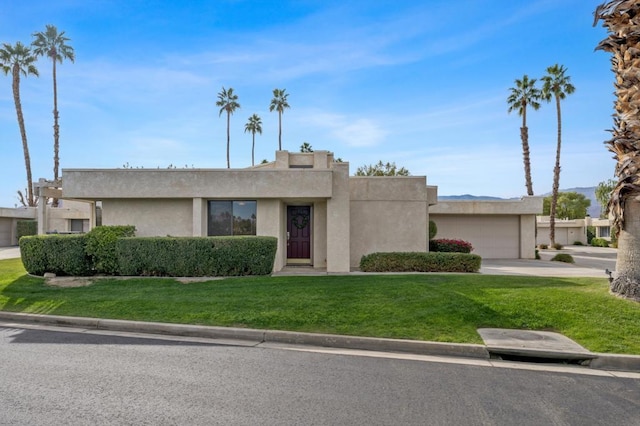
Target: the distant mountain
(589, 192)
(468, 197)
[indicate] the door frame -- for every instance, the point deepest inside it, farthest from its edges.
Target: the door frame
(294, 261)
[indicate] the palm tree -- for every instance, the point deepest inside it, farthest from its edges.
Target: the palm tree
(52, 44)
(18, 60)
(524, 94)
(624, 204)
(279, 103)
(254, 125)
(556, 85)
(227, 101)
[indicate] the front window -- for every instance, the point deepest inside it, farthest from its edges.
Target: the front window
(231, 218)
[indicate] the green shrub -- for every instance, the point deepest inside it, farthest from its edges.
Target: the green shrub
(591, 234)
(557, 246)
(433, 230)
(101, 246)
(26, 227)
(196, 256)
(599, 242)
(537, 254)
(543, 246)
(60, 254)
(563, 257)
(450, 246)
(420, 262)
(578, 243)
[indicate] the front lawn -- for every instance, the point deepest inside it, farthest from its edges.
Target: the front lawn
(435, 307)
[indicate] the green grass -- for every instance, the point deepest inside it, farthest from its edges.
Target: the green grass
(436, 307)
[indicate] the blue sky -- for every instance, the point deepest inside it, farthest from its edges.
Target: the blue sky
(420, 83)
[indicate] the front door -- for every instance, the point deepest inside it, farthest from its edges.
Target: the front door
(299, 234)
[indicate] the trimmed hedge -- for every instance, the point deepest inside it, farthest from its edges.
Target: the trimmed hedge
(433, 230)
(60, 254)
(450, 246)
(196, 256)
(420, 262)
(563, 257)
(599, 242)
(101, 246)
(26, 227)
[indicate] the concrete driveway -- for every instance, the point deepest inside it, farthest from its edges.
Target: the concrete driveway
(9, 252)
(589, 262)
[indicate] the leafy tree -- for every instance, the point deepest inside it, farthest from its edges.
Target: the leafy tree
(522, 95)
(279, 103)
(380, 169)
(557, 85)
(623, 42)
(603, 195)
(18, 60)
(53, 45)
(306, 147)
(254, 125)
(228, 102)
(571, 205)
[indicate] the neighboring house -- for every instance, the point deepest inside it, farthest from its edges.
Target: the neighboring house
(570, 231)
(70, 216)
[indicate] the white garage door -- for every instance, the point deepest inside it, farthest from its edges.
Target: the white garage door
(492, 236)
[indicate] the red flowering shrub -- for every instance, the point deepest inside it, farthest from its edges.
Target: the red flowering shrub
(450, 246)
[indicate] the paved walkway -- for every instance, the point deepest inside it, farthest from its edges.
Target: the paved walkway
(9, 252)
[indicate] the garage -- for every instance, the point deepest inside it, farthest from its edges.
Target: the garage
(492, 237)
(5, 231)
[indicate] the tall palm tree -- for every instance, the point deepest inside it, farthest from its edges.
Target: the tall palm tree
(624, 205)
(53, 45)
(525, 93)
(254, 125)
(228, 102)
(18, 60)
(556, 85)
(279, 103)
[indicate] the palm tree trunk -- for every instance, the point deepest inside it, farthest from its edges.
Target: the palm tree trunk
(556, 179)
(23, 133)
(279, 131)
(228, 138)
(524, 135)
(56, 132)
(628, 261)
(253, 146)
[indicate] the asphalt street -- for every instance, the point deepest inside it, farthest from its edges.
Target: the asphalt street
(61, 377)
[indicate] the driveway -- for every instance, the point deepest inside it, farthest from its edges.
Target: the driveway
(9, 252)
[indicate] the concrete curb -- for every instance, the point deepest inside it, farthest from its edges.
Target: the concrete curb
(600, 362)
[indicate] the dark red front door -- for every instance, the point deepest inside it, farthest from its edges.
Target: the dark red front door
(299, 232)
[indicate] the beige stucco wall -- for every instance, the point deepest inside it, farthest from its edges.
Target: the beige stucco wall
(567, 232)
(98, 184)
(158, 217)
(319, 235)
(388, 214)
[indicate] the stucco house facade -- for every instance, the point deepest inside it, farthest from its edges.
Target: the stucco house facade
(322, 217)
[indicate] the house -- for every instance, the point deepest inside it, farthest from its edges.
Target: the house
(321, 216)
(570, 231)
